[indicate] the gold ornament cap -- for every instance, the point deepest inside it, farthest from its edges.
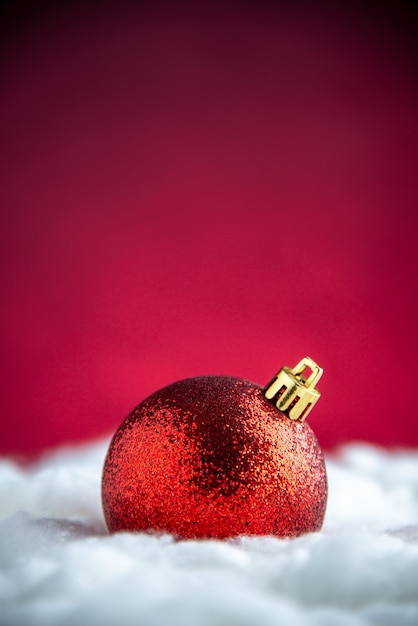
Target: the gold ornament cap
(292, 393)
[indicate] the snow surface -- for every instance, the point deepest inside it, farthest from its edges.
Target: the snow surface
(58, 565)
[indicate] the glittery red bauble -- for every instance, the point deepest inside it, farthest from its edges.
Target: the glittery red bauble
(212, 457)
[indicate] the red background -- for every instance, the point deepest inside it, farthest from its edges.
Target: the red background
(207, 190)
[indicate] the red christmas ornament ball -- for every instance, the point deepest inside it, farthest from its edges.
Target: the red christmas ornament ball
(212, 457)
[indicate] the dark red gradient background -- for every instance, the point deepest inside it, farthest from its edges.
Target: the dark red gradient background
(220, 189)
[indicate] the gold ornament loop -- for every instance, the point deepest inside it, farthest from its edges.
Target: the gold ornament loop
(291, 392)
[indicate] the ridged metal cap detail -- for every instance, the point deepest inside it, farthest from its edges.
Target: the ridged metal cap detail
(291, 392)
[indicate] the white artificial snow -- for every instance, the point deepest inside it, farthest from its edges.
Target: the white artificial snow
(58, 565)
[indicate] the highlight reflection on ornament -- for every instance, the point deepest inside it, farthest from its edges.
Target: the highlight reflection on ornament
(215, 456)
